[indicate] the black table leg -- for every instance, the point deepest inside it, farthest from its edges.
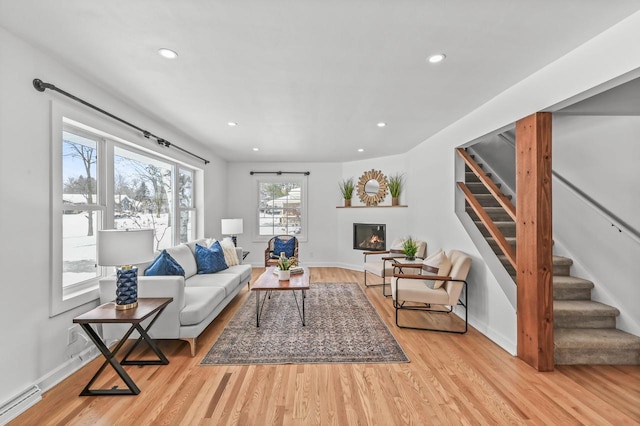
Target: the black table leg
(110, 359)
(117, 366)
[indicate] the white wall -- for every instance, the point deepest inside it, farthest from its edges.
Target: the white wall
(599, 155)
(35, 345)
(320, 247)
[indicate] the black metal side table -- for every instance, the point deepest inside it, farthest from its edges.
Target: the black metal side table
(107, 314)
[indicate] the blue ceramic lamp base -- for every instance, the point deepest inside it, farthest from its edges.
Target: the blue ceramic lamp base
(127, 288)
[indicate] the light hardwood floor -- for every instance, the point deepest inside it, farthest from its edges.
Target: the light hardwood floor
(451, 379)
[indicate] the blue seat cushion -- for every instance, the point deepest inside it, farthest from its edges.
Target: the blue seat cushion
(164, 264)
(288, 247)
(210, 260)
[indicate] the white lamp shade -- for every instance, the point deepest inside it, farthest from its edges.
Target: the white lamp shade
(231, 226)
(124, 247)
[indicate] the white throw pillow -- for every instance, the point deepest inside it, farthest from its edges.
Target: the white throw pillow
(438, 264)
(397, 245)
(229, 250)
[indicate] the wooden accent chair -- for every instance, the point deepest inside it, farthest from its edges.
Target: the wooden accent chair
(438, 293)
(270, 257)
(380, 263)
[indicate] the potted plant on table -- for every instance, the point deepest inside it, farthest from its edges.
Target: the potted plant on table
(410, 248)
(346, 189)
(284, 266)
(395, 187)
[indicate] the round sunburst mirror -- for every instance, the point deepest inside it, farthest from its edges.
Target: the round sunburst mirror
(372, 187)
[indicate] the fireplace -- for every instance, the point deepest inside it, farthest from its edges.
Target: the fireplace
(368, 236)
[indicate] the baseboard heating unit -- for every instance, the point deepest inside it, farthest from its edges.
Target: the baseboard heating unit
(15, 406)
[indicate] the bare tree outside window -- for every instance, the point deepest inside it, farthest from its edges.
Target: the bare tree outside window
(145, 195)
(83, 184)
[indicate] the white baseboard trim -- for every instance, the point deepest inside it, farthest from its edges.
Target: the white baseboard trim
(503, 341)
(26, 399)
(19, 404)
(65, 370)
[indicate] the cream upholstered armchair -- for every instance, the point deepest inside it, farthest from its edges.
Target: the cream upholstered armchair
(438, 288)
(380, 263)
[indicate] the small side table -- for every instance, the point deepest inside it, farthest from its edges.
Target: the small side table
(394, 260)
(108, 314)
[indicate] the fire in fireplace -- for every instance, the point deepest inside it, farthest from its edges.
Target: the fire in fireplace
(368, 236)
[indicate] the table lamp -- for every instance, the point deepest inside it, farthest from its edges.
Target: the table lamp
(122, 249)
(233, 228)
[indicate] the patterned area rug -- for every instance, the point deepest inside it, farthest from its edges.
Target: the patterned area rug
(341, 327)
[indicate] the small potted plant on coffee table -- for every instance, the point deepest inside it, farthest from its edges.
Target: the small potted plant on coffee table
(346, 189)
(410, 248)
(284, 267)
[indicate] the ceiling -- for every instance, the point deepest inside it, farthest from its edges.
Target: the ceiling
(307, 80)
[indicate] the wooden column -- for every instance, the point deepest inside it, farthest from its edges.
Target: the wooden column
(534, 241)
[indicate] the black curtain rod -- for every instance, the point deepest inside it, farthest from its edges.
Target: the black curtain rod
(41, 86)
(279, 173)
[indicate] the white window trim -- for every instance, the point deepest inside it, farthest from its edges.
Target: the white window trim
(303, 180)
(63, 115)
(66, 298)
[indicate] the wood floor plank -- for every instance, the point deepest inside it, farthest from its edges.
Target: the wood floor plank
(450, 379)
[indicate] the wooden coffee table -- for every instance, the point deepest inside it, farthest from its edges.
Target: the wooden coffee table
(268, 282)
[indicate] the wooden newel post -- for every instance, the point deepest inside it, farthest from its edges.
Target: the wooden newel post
(534, 241)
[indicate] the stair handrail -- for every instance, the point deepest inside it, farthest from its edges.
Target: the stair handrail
(506, 204)
(498, 236)
(611, 217)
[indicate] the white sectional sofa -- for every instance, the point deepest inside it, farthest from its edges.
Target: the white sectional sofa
(197, 298)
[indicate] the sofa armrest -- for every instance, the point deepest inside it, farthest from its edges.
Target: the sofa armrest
(168, 324)
(239, 254)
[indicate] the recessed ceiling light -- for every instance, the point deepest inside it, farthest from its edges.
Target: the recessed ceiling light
(438, 57)
(167, 53)
(360, 150)
(256, 149)
(232, 124)
(381, 124)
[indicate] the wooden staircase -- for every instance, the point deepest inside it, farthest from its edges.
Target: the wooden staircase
(584, 330)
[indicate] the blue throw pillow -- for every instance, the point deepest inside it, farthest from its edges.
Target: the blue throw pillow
(210, 260)
(287, 247)
(164, 264)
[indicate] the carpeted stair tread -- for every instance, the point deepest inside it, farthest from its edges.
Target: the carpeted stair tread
(567, 287)
(508, 228)
(493, 243)
(477, 188)
(562, 261)
(488, 200)
(497, 214)
(562, 265)
(583, 308)
(595, 338)
(575, 346)
(564, 281)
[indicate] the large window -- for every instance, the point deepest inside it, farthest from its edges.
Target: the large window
(101, 182)
(281, 207)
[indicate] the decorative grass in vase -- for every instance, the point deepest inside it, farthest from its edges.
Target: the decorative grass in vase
(346, 189)
(395, 187)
